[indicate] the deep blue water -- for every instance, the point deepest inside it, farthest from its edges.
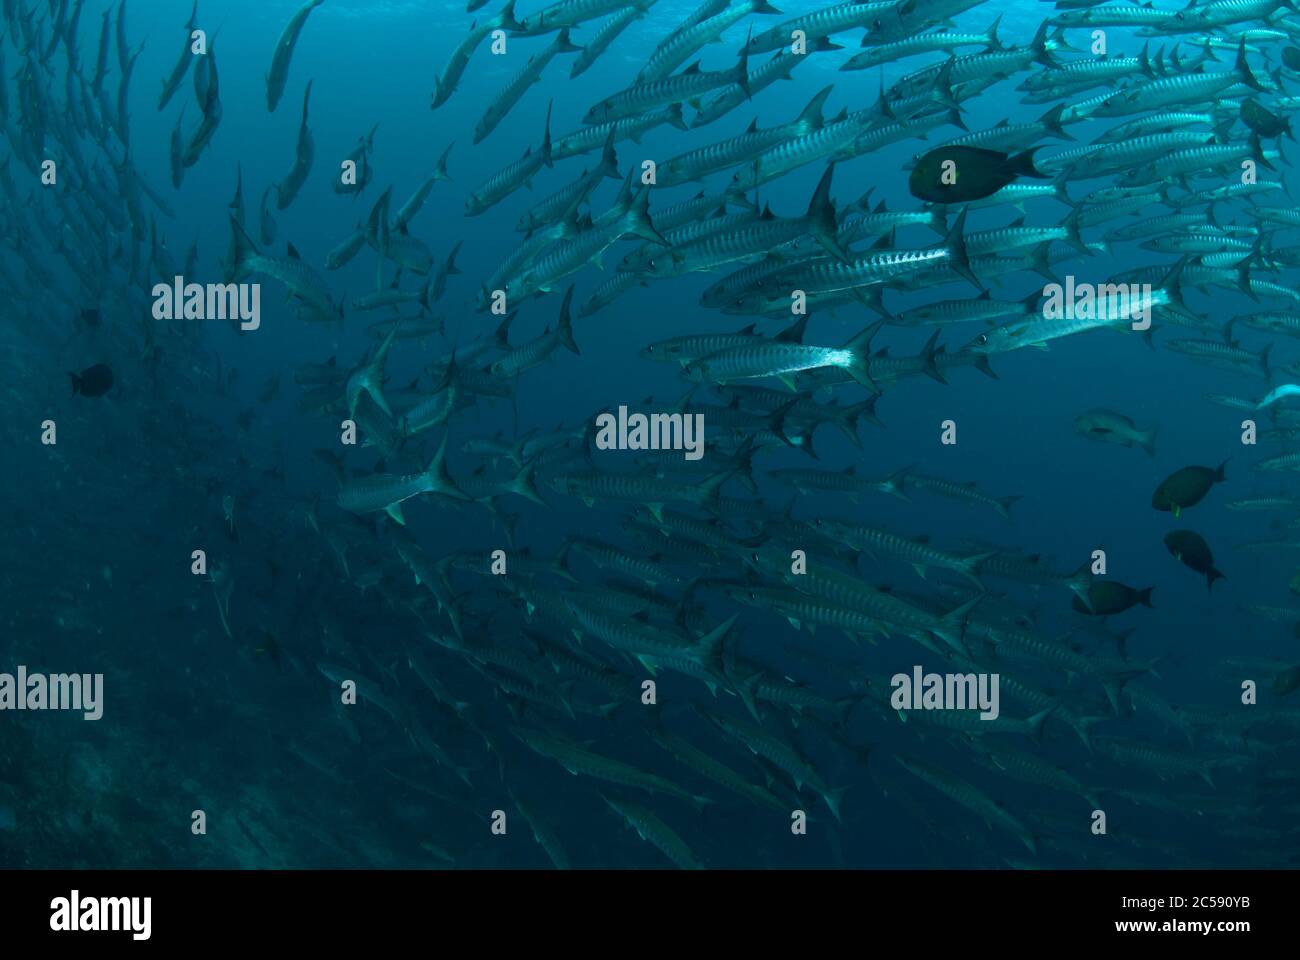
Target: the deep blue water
(96, 561)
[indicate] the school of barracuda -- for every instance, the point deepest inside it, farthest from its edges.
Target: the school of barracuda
(521, 690)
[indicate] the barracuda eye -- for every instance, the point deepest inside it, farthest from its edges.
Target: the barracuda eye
(982, 339)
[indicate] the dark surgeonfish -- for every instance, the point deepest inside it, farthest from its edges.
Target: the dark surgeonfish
(93, 381)
(957, 174)
(1190, 548)
(1264, 121)
(1110, 596)
(1186, 488)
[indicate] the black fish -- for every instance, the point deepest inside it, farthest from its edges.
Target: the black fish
(93, 381)
(974, 173)
(1191, 549)
(1186, 487)
(1263, 121)
(1111, 596)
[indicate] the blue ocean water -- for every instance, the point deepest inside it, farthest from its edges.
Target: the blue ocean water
(238, 721)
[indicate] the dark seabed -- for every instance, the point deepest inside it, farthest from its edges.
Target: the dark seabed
(370, 582)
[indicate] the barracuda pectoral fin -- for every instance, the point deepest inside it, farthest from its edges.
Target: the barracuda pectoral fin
(394, 510)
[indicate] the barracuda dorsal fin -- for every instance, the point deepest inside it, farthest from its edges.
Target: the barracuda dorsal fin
(812, 113)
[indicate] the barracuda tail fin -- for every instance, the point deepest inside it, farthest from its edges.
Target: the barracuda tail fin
(1039, 45)
(970, 566)
(676, 118)
(940, 89)
(795, 332)
(507, 19)
(245, 250)
(833, 800)
(991, 34)
(710, 490)
(859, 363)
(546, 137)
(1257, 151)
(866, 410)
(1144, 58)
(1073, 237)
(636, 220)
(564, 328)
(438, 478)
(746, 688)
(1080, 582)
(1035, 724)
(741, 72)
(608, 166)
(951, 628)
(1052, 121)
(792, 435)
(440, 171)
(1083, 727)
(564, 45)
(981, 363)
(928, 357)
(525, 483)
(955, 243)
(821, 216)
(896, 483)
(1030, 841)
(938, 220)
(1242, 69)
(710, 646)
